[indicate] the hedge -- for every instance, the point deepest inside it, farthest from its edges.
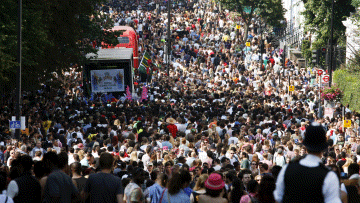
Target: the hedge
(349, 82)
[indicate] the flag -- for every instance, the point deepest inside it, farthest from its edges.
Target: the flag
(128, 93)
(144, 94)
(144, 67)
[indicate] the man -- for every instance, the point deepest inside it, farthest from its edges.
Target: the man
(37, 148)
(20, 188)
(190, 160)
(350, 185)
(103, 186)
(58, 185)
(133, 192)
(294, 183)
(246, 177)
(342, 161)
(166, 143)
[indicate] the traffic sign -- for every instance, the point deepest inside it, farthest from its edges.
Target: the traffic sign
(320, 72)
(325, 79)
(15, 124)
(291, 88)
(238, 27)
(248, 44)
(347, 123)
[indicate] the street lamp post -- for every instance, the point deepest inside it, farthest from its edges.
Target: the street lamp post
(168, 39)
(18, 74)
(331, 43)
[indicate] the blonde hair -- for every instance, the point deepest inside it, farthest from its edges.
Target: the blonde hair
(200, 183)
(117, 122)
(133, 156)
(347, 163)
(81, 154)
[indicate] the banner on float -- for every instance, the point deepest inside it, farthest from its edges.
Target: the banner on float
(109, 80)
(329, 112)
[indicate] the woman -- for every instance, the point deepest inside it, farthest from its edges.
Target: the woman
(237, 191)
(133, 157)
(156, 190)
(252, 188)
(343, 194)
(214, 187)
(255, 168)
(266, 189)
(175, 192)
(199, 188)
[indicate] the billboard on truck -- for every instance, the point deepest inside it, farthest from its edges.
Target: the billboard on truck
(109, 71)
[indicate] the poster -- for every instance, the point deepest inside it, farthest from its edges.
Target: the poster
(109, 80)
(329, 112)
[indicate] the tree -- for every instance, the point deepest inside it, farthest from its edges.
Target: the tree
(271, 11)
(318, 20)
(56, 35)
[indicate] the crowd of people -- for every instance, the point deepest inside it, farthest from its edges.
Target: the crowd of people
(219, 126)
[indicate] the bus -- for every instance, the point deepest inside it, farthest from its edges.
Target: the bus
(128, 39)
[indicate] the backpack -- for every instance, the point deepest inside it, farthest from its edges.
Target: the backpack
(253, 199)
(223, 133)
(196, 197)
(352, 194)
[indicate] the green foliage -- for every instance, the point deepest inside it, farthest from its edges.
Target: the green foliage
(271, 11)
(305, 50)
(355, 3)
(349, 83)
(55, 33)
(318, 19)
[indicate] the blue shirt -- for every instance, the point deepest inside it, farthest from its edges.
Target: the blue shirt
(167, 144)
(155, 192)
(180, 197)
(1, 157)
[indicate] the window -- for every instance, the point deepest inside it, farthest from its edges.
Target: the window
(123, 40)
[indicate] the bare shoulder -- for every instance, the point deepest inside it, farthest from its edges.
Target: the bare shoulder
(207, 199)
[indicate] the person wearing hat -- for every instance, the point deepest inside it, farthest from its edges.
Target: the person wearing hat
(171, 126)
(214, 187)
(308, 180)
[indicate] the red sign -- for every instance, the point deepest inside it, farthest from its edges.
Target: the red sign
(325, 79)
(320, 72)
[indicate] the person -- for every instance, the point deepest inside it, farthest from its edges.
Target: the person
(293, 183)
(252, 190)
(77, 176)
(214, 187)
(351, 185)
(175, 189)
(266, 189)
(58, 185)
(245, 177)
(237, 191)
(199, 188)
(20, 188)
(3, 196)
(156, 190)
(104, 186)
(133, 191)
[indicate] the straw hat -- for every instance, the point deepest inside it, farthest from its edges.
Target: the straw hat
(171, 120)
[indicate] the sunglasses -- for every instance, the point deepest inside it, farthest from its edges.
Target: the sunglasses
(253, 164)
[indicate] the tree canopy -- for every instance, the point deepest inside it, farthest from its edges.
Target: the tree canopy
(56, 34)
(271, 11)
(318, 19)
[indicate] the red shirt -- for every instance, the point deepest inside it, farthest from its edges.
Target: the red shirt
(172, 129)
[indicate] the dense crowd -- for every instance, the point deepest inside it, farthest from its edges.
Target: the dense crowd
(218, 127)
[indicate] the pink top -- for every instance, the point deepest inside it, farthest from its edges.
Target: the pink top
(245, 199)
